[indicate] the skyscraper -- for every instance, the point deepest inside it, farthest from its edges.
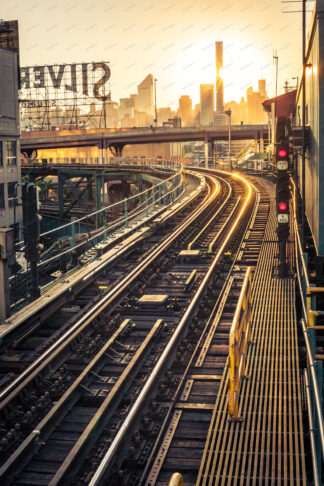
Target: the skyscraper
(262, 87)
(185, 110)
(145, 96)
(255, 112)
(207, 104)
(219, 79)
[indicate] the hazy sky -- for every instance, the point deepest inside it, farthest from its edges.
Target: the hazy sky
(172, 39)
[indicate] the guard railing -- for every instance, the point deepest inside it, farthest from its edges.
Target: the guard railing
(240, 336)
(176, 480)
(102, 162)
(157, 197)
(314, 372)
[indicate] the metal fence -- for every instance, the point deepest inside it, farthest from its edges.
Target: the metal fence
(148, 202)
(313, 374)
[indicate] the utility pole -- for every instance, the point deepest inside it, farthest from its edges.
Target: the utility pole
(229, 113)
(276, 60)
(155, 119)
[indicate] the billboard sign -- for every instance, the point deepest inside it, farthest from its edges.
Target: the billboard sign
(69, 77)
(64, 95)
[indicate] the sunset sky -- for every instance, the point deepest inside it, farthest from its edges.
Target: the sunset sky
(173, 40)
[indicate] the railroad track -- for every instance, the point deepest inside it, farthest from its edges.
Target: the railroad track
(37, 333)
(96, 373)
(83, 252)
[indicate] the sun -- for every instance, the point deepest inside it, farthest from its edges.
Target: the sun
(195, 65)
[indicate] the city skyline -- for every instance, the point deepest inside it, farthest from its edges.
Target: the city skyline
(143, 38)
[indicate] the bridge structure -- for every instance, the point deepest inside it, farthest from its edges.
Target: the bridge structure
(79, 181)
(115, 141)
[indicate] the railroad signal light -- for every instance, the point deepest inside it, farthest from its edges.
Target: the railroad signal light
(283, 198)
(282, 153)
(283, 206)
(283, 132)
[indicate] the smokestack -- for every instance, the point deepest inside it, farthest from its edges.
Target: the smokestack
(219, 80)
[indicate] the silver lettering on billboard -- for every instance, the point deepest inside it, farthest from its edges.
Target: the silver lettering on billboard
(37, 77)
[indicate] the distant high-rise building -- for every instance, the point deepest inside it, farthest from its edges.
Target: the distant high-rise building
(207, 104)
(164, 114)
(243, 110)
(126, 107)
(185, 110)
(236, 112)
(145, 96)
(142, 119)
(134, 98)
(262, 87)
(197, 115)
(255, 112)
(219, 79)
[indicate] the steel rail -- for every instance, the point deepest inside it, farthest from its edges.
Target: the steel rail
(109, 403)
(71, 395)
(213, 217)
(34, 436)
(166, 215)
(212, 317)
(38, 365)
(107, 459)
(65, 468)
(215, 239)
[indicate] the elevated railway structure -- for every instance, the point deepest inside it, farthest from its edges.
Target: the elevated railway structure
(77, 180)
(129, 385)
(115, 141)
(116, 222)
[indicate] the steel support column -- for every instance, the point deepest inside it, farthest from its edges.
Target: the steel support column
(60, 194)
(89, 186)
(206, 151)
(99, 216)
(125, 187)
(212, 145)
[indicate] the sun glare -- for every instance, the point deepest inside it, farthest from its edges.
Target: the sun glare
(195, 65)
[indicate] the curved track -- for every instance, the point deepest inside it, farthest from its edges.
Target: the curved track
(86, 394)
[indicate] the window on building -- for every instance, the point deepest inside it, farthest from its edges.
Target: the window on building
(11, 149)
(1, 155)
(2, 199)
(12, 196)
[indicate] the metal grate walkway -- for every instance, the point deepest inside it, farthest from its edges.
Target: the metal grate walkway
(267, 447)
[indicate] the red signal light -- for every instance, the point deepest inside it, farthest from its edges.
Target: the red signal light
(283, 206)
(282, 153)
